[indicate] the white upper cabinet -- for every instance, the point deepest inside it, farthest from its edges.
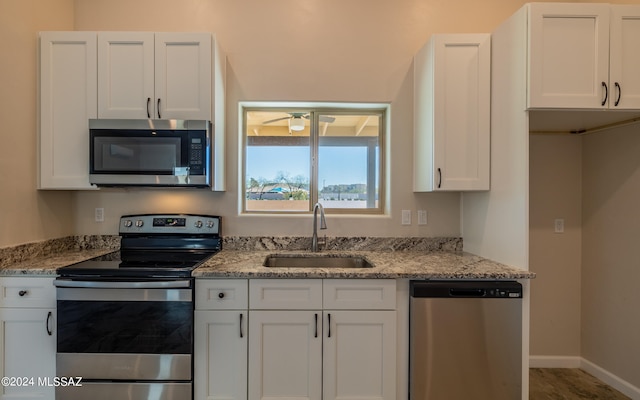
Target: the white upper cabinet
(583, 56)
(86, 75)
(624, 63)
(68, 96)
(452, 94)
(126, 75)
(161, 75)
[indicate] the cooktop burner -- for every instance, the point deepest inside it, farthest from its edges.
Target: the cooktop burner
(155, 246)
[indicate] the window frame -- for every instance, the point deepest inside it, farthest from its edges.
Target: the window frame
(315, 110)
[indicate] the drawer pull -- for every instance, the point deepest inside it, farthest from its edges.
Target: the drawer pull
(22, 293)
(49, 316)
(221, 295)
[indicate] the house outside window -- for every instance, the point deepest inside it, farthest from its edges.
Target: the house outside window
(296, 156)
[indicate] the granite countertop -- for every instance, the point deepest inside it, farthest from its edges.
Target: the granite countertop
(48, 265)
(243, 257)
(392, 265)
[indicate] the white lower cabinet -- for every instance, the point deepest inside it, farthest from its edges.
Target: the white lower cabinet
(302, 339)
(27, 323)
(359, 355)
(285, 354)
(310, 351)
(220, 359)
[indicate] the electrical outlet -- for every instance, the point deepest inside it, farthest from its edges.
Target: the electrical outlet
(406, 217)
(99, 214)
(422, 217)
(558, 225)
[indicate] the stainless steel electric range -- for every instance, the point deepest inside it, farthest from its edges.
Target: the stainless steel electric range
(125, 319)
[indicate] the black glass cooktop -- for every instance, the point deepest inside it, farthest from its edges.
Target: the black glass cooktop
(141, 264)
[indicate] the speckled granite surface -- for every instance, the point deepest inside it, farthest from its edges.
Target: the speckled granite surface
(387, 264)
(242, 257)
(43, 258)
(344, 243)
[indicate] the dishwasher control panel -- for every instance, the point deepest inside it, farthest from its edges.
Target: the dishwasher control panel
(467, 289)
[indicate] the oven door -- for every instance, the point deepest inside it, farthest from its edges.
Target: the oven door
(125, 331)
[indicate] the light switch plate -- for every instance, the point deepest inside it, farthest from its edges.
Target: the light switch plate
(99, 214)
(406, 217)
(422, 217)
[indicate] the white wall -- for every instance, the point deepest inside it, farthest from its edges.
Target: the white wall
(555, 191)
(26, 215)
(610, 320)
(292, 50)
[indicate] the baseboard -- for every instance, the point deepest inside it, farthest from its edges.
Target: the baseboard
(610, 379)
(554, 362)
(605, 376)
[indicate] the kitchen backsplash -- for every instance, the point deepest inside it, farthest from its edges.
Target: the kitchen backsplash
(345, 243)
(25, 252)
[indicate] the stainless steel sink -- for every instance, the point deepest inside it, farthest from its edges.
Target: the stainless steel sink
(316, 261)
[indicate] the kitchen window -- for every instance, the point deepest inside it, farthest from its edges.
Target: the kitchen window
(294, 157)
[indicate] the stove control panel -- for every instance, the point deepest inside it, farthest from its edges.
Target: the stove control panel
(190, 224)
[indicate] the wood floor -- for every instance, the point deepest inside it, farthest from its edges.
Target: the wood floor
(568, 384)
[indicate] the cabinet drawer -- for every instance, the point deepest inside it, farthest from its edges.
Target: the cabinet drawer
(221, 294)
(285, 294)
(359, 294)
(27, 292)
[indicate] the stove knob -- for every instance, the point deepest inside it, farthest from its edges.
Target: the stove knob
(198, 224)
(210, 224)
(128, 223)
(139, 223)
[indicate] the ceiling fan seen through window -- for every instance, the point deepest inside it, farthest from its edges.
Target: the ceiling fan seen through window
(296, 121)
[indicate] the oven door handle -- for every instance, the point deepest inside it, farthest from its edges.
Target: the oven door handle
(65, 283)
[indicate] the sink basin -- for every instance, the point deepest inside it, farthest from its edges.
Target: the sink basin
(315, 261)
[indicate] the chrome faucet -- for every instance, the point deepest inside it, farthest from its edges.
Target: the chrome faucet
(323, 225)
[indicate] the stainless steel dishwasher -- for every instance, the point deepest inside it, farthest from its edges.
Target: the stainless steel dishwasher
(465, 340)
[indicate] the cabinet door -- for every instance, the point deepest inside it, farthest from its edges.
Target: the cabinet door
(624, 57)
(220, 362)
(285, 355)
(68, 97)
(126, 75)
(183, 78)
(359, 355)
(452, 113)
(28, 350)
(568, 55)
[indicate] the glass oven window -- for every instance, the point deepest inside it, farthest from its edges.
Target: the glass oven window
(143, 327)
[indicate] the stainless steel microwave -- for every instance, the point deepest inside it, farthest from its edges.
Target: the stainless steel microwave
(150, 152)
